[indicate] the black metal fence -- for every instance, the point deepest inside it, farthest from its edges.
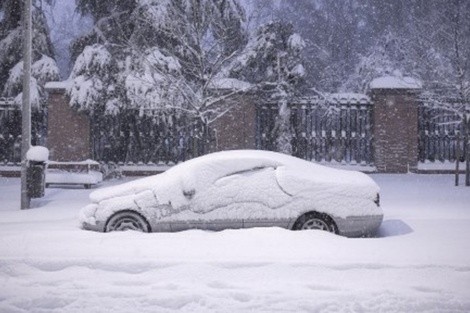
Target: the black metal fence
(336, 129)
(440, 132)
(10, 130)
(130, 138)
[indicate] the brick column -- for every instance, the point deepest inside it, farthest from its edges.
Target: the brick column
(68, 132)
(395, 129)
(237, 128)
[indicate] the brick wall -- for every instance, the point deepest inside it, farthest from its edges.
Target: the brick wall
(68, 132)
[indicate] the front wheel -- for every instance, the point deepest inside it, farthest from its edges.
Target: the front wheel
(127, 221)
(314, 220)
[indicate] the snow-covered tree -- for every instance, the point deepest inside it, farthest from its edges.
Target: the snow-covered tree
(379, 61)
(166, 54)
(65, 24)
(446, 32)
(44, 68)
(272, 61)
(93, 81)
(190, 43)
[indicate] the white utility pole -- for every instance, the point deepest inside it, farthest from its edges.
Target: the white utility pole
(26, 108)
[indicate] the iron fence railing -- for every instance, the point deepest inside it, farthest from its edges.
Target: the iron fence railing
(336, 129)
(441, 130)
(129, 138)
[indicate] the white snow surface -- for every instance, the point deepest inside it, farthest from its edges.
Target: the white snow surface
(419, 262)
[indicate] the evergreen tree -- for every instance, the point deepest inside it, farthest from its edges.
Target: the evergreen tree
(44, 68)
(93, 81)
(164, 50)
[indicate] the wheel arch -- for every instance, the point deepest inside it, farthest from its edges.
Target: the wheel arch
(130, 211)
(327, 217)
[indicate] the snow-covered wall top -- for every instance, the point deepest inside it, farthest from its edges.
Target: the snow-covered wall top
(229, 84)
(58, 85)
(85, 162)
(395, 82)
(38, 154)
(336, 98)
(348, 98)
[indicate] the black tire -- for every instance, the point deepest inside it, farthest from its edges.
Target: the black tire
(315, 220)
(127, 220)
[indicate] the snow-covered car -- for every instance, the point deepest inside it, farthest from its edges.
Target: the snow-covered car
(240, 189)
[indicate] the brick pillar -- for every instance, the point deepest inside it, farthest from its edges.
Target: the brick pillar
(68, 132)
(395, 129)
(237, 128)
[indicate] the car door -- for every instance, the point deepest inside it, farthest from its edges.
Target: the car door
(248, 198)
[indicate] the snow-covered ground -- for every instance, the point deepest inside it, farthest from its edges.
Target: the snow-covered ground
(420, 261)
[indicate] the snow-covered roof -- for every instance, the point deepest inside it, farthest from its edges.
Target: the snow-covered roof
(395, 82)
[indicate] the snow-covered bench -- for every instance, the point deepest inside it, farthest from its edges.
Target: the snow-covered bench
(84, 173)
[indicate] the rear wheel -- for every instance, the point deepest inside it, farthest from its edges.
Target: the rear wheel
(314, 220)
(127, 220)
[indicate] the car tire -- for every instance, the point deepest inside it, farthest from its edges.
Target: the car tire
(127, 220)
(315, 220)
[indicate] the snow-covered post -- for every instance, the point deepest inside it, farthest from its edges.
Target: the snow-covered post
(36, 158)
(395, 126)
(26, 108)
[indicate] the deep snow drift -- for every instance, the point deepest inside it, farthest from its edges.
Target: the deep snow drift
(420, 262)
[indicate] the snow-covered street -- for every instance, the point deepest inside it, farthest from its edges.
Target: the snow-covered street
(419, 262)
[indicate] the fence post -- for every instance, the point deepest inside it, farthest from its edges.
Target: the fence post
(395, 123)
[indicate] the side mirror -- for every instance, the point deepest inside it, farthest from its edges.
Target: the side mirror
(189, 194)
